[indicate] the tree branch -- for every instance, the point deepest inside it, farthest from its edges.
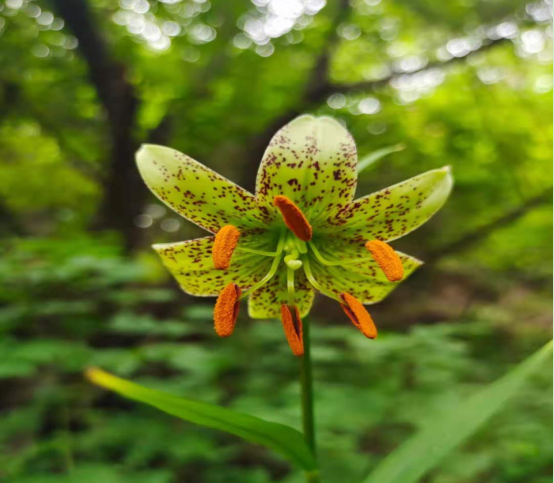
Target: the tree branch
(124, 194)
(317, 87)
(320, 87)
(9, 222)
(106, 74)
(369, 85)
(470, 239)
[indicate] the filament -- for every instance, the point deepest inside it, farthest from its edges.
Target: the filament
(333, 263)
(290, 286)
(272, 270)
(315, 283)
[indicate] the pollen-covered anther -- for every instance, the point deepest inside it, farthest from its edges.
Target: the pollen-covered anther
(225, 243)
(358, 315)
(293, 329)
(387, 259)
(293, 218)
(226, 310)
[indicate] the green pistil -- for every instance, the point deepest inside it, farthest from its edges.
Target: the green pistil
(290, 287)
(294, 249)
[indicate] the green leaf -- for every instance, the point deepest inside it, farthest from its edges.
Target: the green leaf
(372, 158)
(282, 439)
(426, 449)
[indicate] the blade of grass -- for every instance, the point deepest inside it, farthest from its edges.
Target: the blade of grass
(372, 158)
(426, 449)
(282, 439)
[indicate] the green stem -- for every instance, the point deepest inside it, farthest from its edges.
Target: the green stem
(308, 398)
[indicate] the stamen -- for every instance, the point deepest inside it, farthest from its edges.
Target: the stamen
(225, 243)
(387, 259)
(226, 310)
(293, 218)
(358, 315)
(293, 329)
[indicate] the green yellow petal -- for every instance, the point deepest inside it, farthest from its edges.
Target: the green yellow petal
(266, 302)
(312, 161)
(395, 211)
(191, 264)
(364, 280)
(196, 192)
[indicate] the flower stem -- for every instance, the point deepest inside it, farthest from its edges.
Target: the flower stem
(308, 398)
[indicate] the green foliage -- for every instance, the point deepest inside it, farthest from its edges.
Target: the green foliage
(426, 449)
(57, 424)
(280, 438)
(70, 299)
(370, 160)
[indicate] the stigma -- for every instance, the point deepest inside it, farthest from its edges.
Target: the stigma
(293, 329)
(387, 259)
(358, 314)
(293, 217)
(226, 310)
(225, 243)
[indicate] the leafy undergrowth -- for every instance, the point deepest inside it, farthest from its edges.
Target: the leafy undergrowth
(69, 305)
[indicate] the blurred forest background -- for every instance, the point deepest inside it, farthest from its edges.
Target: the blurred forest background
(84, 82)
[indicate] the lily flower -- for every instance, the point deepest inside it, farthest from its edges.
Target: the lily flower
(301, 232)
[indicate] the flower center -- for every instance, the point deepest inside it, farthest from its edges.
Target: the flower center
(297, 249)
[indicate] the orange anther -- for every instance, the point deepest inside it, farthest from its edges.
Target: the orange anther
(293, 218)
(387, 259)
(226, 310)
(225, 243)
(358, 315)
(293, 329)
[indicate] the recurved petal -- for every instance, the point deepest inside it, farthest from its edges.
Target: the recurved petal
(196, 192)
(191, 264)
(312, 161)
(395, 211)
(364, 280)
(266, 302)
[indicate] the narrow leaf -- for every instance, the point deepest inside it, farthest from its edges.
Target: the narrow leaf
(282, 439)
(372, 158)
(426, 449)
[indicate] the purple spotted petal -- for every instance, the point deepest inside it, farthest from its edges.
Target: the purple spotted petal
(191, 264)
(395, 211)
(312, 161)
(196, 192)
(364, 280)
(266, 302)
